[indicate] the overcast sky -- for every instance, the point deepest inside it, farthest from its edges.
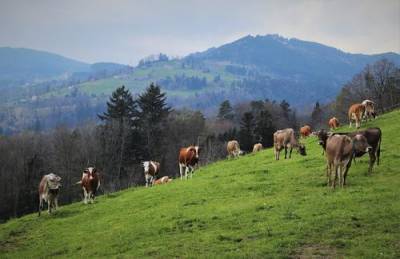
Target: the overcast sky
(125, 31)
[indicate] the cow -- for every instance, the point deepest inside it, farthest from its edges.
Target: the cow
(151, 169)
(90, 184)
(162, 180)
(257, 147)
(305, 131)
(233, 149)
(374, 139)
(356, 113)
(333, 123)
(49, 188)
(285, 139)
(340, 150)
(369, 110)
(188, 159)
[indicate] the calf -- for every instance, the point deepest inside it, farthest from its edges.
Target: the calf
(356, 113)
(162, 180)
(188, 159)
(257, 147)
(48, 191)
(333, 123)
(151, 169)
(90, 184)
(285, 139)
(305, 131)
(233, 149)
(374, 139)
(340, 149)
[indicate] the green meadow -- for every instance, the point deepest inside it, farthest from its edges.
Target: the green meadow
(250, 207)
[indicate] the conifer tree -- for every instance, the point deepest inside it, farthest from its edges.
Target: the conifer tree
(264, 129)
(225, 111)
(316, 116)
(246, 133)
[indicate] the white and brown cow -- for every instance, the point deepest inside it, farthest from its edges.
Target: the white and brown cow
(151, 169)
(369, 113)
(340, 150)
(233, 149)
(257, 147)
(285, 139)
(90, 184)
(188, 159)
(49, 187)
(162, 180)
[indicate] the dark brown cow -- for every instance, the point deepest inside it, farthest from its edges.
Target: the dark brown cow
(49, 187)
(284, 139)
(90, 184)
(340, 149)
(151, 169)
(333, 123)
(305, 131)
(374, 139)
(188, 158)
(356, 113)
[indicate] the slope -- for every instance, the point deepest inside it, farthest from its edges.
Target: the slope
(249, 207)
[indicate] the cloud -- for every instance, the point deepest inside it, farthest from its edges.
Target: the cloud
(125, 31)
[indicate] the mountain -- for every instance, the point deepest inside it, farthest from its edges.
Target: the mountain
(250, 207)
(20, 64)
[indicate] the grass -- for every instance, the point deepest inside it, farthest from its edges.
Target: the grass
(248, 207)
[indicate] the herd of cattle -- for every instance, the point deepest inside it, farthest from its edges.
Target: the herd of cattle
(340, 149)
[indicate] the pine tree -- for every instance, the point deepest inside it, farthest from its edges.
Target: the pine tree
(152, 118)
(264, 129)
(316, 116)
(225, 111)
(246, 133)
(285, 106)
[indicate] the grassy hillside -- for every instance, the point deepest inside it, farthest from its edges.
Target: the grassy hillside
(249, 207)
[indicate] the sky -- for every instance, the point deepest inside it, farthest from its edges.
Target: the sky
(125, 31)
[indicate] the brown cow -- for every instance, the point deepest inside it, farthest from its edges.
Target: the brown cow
(333, 123)
(151, 169)
(374, 139)
(305, 131)
(233, 149)
(188, 158)
(162, 180)
(356, 113)
(257, 147)
(284, 139)
(340, 149)
(48, 191)
(369, 110)
(90, 184)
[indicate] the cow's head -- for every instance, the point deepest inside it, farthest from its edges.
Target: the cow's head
(302, 149)
(360, 144)
(197, 150)
(322, 137)
(91, 172)
(53, 181)
(146, 166)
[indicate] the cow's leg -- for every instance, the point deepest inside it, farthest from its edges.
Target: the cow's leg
(335, 167)
(285, 152)
(372, 159)
(290, 152)
(85, 194)
(40, 205)
(49, 204)
(186, 172)
(328, 174)
(181, 170)
(146, 177)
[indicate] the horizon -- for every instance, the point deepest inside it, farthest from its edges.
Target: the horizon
(127, 31)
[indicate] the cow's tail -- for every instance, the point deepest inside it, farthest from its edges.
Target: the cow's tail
(378, 152)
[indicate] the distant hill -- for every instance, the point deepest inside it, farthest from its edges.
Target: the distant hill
(18, 64)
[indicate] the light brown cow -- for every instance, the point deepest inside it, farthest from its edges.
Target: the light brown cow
(305, 131)
(257, 147)
(162, 180)
(333, 123)
(48, 191)
(151, 169)
(285, 139)
(369, 113)
(340, 150)
(188, 159)
(233, 149)
(356, 112)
